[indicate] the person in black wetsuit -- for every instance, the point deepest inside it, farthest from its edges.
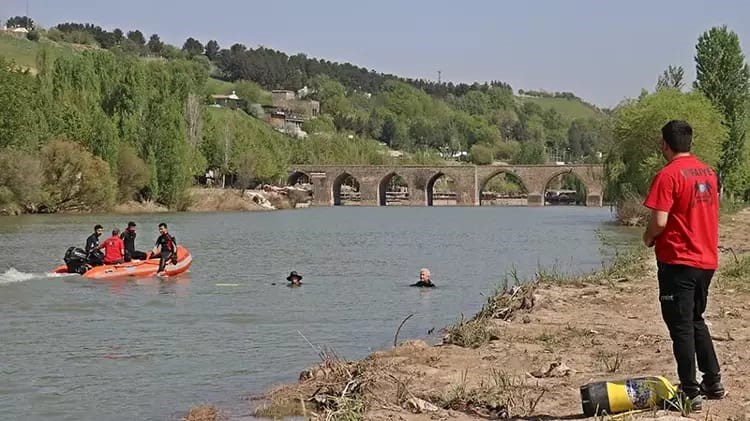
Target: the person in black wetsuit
(167, 248)
(294, 278)
(424, 279)
(128, 237)
(93, 255)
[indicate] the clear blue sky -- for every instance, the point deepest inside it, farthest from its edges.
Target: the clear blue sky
(604, 51)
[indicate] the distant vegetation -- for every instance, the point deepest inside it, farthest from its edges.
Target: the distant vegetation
(130, 100)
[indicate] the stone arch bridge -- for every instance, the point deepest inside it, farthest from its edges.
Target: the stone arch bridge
(469, 181)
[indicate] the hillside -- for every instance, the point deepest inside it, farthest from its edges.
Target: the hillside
(570, 109)
(24, 52)
(485, 122)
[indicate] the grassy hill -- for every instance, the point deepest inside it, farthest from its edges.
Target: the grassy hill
(251, 126)
(24, 52)
(217, 87)
(570, 109)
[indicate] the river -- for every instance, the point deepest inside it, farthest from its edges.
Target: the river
(150, 349)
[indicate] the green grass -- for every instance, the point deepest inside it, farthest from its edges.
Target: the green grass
(239, 120)
(24, 52)
(570, 109)
(218, 87)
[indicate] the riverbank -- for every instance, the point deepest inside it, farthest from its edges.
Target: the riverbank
(526, 354)
(220, 200)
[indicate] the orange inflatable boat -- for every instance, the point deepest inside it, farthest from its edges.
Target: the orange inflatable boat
(140, 268)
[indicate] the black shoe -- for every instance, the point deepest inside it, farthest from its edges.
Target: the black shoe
(713, 391)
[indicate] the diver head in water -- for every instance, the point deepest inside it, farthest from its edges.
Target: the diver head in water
(294, 278)
(424, 279)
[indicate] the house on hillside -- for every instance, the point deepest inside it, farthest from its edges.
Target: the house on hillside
(15, 29)
(226, 101)
(289, 111)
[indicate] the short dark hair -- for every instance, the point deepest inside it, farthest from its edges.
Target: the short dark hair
(115, 231)
(678, 134)
(163, 225)
(98, 227)
(131, 224)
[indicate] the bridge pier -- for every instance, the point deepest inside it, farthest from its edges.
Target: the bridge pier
(535, 199)
(321, 187)
(594, 200)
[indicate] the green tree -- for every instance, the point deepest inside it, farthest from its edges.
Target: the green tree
(636, 154)
(137, 37)
(481, 154)
(192, 47)
(531, 152)
(672, 78)
(117, 36)
(155, 45)
(20, 22)
(212, 49)
(21, 120)
(724, 78)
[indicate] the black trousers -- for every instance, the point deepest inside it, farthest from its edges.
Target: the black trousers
(164, 258)
(135, 254)
(683, 294)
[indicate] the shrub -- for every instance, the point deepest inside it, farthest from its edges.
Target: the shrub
(481, 154)
(21, 178)
(74, 179)
(133, 173)
(33, 35)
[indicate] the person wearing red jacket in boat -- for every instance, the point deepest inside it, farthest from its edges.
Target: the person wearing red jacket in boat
(167, 247)
(114, 249)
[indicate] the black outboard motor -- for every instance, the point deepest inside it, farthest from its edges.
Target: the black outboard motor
(75, 260)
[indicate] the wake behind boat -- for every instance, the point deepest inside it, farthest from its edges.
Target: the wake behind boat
(75, 262)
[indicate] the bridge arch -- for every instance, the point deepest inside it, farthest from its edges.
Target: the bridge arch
(514, 178)
(392, 183)
(430, 187)
(298, 177)
(579, 185)
(344, 179)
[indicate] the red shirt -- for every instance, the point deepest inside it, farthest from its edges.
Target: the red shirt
(113, 247)
(687, 189)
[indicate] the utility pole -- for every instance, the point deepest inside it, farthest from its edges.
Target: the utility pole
(440, 72)
(27, 8)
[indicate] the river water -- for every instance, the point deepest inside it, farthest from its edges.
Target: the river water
(150, 349)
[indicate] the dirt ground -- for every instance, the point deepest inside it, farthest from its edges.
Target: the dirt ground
(608, 328)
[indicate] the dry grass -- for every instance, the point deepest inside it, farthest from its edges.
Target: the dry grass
(332, 390)
(204, 413)
(499, 395)
(139, 207)
(736, 272)
(610, 361)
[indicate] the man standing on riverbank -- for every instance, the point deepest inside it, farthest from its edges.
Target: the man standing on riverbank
(684, 229)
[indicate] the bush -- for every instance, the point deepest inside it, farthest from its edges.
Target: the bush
(481, 154)
(133, 173)
(75, 180)
(33, 35)
(21, 178)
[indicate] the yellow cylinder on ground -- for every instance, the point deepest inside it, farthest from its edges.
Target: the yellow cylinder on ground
(612, 397)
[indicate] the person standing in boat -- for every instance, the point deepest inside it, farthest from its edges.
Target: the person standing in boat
(114, 249)
(93, 255)
(128, 237)
(424, 279)
(167, 247)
